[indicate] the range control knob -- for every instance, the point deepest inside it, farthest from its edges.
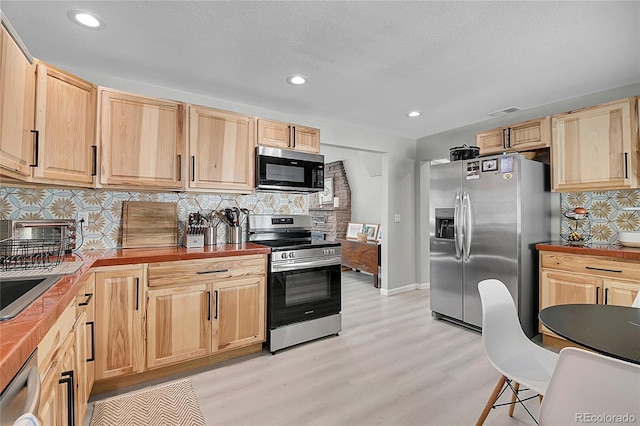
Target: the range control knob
(291, 255)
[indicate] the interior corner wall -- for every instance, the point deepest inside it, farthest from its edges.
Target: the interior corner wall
(365, 191)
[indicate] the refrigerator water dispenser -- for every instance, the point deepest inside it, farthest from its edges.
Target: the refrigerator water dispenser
(444, 224)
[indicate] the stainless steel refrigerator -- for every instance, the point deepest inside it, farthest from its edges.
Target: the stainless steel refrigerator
(486, 215)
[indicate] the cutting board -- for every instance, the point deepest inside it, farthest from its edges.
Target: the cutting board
(149, 224)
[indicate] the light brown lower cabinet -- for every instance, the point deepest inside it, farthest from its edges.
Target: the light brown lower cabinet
(239, 313)
(201, 307)
(178, 324)
(63, 368)
(570, 278)
(120, 306)
(49, 410)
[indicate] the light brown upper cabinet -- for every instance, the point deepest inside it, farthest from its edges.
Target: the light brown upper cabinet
(596, 148)
(66, 124)
(288, 136)
(17, 109)
(220, 150)
(532, 134)
(142, 141)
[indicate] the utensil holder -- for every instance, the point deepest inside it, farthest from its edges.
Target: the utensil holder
(234, 234)
(210, 235)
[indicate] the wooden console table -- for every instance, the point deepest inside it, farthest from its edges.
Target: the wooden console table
(361, 256)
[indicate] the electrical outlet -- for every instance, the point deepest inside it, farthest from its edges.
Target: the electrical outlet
(82, 217)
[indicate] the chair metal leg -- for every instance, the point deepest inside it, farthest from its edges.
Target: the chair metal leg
(513, 399)
(492, 399)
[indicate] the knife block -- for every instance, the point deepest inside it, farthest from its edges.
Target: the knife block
(193, 241)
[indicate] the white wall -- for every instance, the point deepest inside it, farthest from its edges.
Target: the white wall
(396, 190)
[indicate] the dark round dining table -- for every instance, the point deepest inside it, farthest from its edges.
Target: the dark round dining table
(607, 329)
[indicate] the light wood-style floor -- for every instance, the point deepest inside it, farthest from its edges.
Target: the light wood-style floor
(392, 364)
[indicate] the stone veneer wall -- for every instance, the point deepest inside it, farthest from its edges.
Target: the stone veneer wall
(103, 230)
(337, 218)
(604, 208)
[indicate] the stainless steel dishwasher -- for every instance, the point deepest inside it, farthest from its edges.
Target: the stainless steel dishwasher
(22, 394)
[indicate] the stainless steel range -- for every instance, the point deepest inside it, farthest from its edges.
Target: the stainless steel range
(304, 280)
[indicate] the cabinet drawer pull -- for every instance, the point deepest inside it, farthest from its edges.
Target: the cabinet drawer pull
(603, 269)
(606, 296)
(216, 292)
(93, 341)
(209, 304)
(213, 271)
(86, 302)
(137, 293)
(597, 295)
(37, 132)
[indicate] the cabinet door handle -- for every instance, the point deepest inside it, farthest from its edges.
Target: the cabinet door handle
(606, 296)
(193, 168)
(37, 132)
(179, 167)
(626, 165)
(69, 381)
(209, 304)
(216, 292)
(603, 269)
(94, 152)
(505, 138)
(213, 271)
(597, 295)
(86, 302)
(93, 341)
(137, 294)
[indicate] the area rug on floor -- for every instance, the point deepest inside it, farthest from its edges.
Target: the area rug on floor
(171, 404)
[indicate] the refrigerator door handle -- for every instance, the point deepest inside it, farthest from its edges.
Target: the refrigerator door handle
(457, 237)
(468, 230)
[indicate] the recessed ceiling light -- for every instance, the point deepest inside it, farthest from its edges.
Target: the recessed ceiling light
(413, 114)
(297, 79)
(86, 19)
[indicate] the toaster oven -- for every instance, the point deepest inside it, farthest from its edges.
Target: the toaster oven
(56, 230)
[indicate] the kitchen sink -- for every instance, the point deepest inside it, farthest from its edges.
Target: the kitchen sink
(16, 294)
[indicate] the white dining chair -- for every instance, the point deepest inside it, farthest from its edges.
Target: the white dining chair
(520, 361)
(636, 301)
(585, 385)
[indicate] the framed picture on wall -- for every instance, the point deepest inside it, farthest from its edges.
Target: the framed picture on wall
(326, 196)
(371, 229)
(353, 229)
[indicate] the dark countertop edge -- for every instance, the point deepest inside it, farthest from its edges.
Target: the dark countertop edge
(592, 250)
(35, 321)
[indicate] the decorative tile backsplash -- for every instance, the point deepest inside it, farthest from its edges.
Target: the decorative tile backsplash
(604, 208)
(103, 229)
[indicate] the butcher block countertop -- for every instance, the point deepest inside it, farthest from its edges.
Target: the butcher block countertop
(21, 335)
(614, 250)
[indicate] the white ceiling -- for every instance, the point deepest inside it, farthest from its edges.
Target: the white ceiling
(368, 62)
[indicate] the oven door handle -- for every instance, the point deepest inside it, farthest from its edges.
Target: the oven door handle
(294, 265)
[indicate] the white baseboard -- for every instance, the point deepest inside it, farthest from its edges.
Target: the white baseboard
(423, 286)
(398, 290)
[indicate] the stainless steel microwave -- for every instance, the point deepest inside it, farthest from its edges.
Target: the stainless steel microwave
(62, 230)
(286, 170)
